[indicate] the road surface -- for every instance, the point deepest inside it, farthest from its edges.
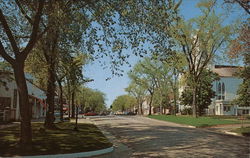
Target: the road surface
(135, 136)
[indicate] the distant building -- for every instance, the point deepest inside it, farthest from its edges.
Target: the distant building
(9, 98)
(226, 92)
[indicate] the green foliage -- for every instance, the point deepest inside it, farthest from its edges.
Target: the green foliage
(204, 93)
(90, 100)
(36, 65)
(123, 103)
(244, 89)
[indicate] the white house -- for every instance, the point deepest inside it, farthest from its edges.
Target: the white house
(9, 98)
(226, 92)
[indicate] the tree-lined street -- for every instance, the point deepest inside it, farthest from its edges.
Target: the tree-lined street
(143, 137)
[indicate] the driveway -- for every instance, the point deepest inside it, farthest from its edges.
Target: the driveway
(135, 136)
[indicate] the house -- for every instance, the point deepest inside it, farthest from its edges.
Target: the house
(157, 109)
(9, 98)
(226, 92)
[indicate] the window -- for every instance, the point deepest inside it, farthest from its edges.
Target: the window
(223, 89)
(219, 88)
(227, 108)
(15, 98)
(245, 111)
(5, 102)
(219, 91)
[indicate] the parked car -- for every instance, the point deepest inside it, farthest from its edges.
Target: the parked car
(90, 114)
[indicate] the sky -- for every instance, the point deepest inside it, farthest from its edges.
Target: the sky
(116, 85)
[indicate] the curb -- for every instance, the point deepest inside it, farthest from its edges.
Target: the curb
(232, 133)
(71, 155)
(178, 124)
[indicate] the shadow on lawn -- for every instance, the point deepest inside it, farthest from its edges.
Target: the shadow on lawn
(58, 141)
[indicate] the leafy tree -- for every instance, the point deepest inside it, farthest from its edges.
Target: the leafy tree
(15, 47)
(204, 89)
(200, 39)
(139, 93)
(90, 100)
(174, 64)
(144, 75)
(34, 62)
(244, 89)
(239, 48)
(123, 103)
(243, 3)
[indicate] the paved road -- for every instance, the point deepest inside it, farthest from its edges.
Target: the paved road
(137, 136)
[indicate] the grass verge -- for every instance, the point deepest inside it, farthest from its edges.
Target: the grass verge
(245, 131)
(60, 141)
(197, 122)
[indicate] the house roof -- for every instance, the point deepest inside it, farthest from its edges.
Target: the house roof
(226, 70)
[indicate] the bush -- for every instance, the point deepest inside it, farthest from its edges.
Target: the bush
(186, 111)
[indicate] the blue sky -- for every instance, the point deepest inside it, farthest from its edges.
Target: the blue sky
(115, 86)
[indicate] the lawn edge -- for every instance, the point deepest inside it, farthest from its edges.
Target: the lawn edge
(72, 155)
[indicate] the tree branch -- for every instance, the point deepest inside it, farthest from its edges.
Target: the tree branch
(9, 33)
(35, 29)
(23, 12)
(5, 55)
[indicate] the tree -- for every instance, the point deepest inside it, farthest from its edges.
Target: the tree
(174, 64)
(139, 93)
(11, 51)
(244, 89)
(243, 3)
(200, 39)
(90, 100)
(145, 76)
(123, 103)
(204, 91)
(239, 48)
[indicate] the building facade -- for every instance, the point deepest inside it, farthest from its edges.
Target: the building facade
(9, 99)
(226, 92)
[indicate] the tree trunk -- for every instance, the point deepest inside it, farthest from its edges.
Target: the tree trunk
(73, 104)
(150, 105)
(25, 108)
(50, 118)
(68, 97)
(175, 90)
(175, 106)
(60, 99)
(194, 102)
(140, 109)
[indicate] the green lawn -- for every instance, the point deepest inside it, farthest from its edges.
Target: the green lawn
(197, 122)
(59, 141)
(243, 130)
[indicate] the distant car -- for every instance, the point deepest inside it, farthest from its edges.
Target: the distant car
(130, 113)
(90, 114)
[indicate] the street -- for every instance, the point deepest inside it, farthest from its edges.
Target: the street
(136, 136)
